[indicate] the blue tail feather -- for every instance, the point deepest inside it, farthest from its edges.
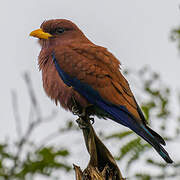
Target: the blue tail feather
(122, 116)
(140, 129)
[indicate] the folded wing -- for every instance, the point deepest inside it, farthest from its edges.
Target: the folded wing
(94, 73)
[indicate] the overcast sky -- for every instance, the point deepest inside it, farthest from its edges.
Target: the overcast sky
(137, 32)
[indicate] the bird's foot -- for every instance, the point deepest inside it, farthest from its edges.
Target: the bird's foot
(76, 111)
(83, 113)
(80, 111)
(84, 124)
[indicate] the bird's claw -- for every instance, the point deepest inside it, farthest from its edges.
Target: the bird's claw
(91, 120)
(83, 124)
(76, 109)
(82, 113)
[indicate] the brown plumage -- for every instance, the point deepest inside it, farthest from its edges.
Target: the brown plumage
(53, 85)
(72, 66)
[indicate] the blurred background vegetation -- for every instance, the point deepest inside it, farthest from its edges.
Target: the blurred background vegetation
(24, 159)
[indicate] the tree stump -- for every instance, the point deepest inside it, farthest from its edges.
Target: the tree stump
(102, 165)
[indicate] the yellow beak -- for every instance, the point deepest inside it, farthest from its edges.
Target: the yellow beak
(39, 33)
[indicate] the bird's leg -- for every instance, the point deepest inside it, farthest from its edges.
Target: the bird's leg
(76, 108)
(87, 113)
(80, 111)
(83, 113)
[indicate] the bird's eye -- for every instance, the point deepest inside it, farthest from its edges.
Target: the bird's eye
(60, 30)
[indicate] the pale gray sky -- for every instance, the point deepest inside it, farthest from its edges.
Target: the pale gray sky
(137, 32)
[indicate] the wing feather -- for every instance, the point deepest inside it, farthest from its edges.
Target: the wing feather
(101, 71)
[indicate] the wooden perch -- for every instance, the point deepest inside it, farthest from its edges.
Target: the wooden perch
(102, 165)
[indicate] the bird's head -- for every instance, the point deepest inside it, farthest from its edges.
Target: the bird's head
(58, 31)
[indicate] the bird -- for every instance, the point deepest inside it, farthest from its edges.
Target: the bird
(74, 69)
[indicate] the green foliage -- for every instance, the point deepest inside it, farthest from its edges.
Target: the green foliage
(175, 36)
(132, 149)
(146, 109)
(120, 135)
(130, 146)
(23, 159)
(40, 161)
(143, 176)
(43, 161)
